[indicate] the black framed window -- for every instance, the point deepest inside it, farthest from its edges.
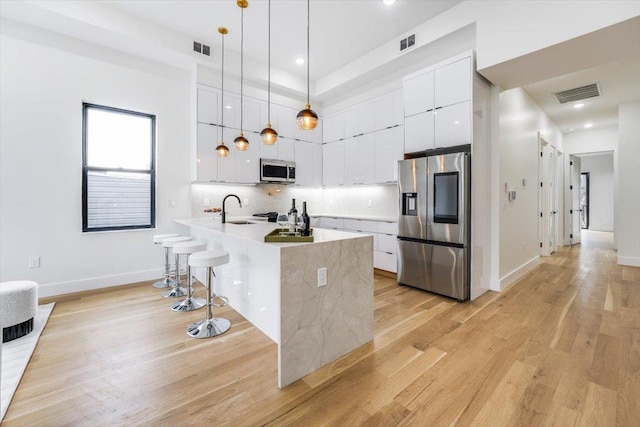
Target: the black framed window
(118, 169)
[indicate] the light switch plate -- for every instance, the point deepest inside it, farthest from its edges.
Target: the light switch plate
(322, 276)
(207, 202)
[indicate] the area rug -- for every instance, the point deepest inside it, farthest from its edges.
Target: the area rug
(16, 355)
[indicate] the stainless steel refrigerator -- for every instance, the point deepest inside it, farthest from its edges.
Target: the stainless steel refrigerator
(434, 223)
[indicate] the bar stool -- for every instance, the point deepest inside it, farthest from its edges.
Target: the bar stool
(176, 291)
(187, 248)
(166, 282)
(209, 327)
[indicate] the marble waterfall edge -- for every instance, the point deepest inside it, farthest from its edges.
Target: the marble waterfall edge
(320, 324)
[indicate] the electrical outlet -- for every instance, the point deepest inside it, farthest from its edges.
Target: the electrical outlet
(322, 276)
(369, 202)
(34, 262)
(245, 202)
(171, 203)
(207, 202)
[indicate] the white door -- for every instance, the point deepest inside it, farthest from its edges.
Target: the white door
(552, 201)
(574, 186)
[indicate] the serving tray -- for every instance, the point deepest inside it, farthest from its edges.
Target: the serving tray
(276, 237)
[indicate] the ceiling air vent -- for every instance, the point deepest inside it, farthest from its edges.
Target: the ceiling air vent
(576, 94)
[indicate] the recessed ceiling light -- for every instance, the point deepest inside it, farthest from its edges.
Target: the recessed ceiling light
(579, 105)
(300, 61)
(588, 125)
(388, 2)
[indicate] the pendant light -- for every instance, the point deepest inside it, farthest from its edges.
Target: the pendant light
(241, 143)
(269, 135)
(307, 119)
(222, 150)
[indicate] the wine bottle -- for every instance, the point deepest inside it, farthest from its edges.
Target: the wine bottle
(293, 216)
(305, 228)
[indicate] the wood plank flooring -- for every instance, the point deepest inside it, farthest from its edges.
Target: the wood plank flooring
(561, 347)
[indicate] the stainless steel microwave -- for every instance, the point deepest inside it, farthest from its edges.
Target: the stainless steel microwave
(279, 171)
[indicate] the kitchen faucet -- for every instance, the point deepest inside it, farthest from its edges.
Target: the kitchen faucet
(224, 212)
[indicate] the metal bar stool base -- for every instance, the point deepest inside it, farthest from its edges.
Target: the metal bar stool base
(189, 304)
(208, 328)
(164, 283)
(176, 292)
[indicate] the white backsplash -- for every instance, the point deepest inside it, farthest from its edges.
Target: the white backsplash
(277, 198)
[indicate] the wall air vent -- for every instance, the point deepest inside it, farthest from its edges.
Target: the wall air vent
(201, 48)
(578, 93)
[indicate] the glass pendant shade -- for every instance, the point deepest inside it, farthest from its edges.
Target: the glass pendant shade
(241, 143)
(222, 150)
(269, 136)
(307, 119)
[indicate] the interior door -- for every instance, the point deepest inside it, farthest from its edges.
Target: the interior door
(574, 165)
(552, 201)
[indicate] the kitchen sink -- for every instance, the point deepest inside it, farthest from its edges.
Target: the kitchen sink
(240, 222)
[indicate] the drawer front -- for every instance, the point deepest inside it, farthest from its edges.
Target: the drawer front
(388, 227)
(361, 225)
(386, 261)
(334, 223)
(387, 243)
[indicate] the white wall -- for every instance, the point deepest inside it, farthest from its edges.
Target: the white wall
(627, 223)
(520, 121)
(43, 84)
(600, 168)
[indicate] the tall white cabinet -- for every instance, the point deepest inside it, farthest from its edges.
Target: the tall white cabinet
(438, 105)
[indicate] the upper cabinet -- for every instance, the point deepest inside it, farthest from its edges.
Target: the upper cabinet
(208, 106)
(437, 105)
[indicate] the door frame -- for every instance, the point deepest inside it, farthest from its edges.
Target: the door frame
(587, 176)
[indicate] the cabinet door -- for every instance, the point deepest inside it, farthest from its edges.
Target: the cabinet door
(351, 161)
(351, 127)
(335, 128)
(453, 83)
(418, 132)
(286, 122)
(231, 112)
(398, 149)
(248, 161)
(286, 149)
(366, 158)
(264, 118)
(227, 165)
(313, 135)
(384, 154)
(365, 117)
(453, 125)
(387, 261)
(208, 111)
(418, 94)
(269, 151)
(398, 108)
(207, 159)
(333, 163)
(317, 165)
(383, 112)
(304, 163)
(252, 122)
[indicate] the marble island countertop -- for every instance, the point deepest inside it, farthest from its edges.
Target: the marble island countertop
(258, 228)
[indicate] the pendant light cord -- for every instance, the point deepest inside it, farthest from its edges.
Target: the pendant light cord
(241, 67)
(269, 71)
(308, 5)
(222, 100)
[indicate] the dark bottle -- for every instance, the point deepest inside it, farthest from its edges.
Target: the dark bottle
(293, 216)
(305, 228)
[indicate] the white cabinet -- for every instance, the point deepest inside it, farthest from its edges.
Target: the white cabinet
(332, 223)
(207, 160)
(248, 162)
(398, 108)
(387, 227)
(418, 93)
(383, 112)
(453, 125)
(386, 249)
(366, 117)
(333, 163)
(351, 161)
(419, 132)
(333, 127)
(269, 151)
(313, 135)
(388, 149)
(453, 83)
(317, 165)
(251, 119)
(366, 158)
(304, 163)
(386, 261)
(286, 149)
(351, 123)
(227, 165)
(286, 121)
(208, 106)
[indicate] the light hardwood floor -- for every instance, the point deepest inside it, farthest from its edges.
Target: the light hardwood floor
(561, 347)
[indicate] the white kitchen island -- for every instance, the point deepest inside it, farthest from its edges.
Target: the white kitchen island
(275, 287)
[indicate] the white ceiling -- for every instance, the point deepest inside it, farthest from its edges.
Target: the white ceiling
(340, 30)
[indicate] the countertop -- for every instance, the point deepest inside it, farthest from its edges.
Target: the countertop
(259, 228)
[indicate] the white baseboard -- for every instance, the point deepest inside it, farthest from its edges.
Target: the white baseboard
(512, 277)
(629, 260)
(60, 288)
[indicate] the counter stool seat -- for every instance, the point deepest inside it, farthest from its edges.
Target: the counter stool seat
(187, 248)
(18, 307)
(209, 327)
(166, 282)
(176, 290)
